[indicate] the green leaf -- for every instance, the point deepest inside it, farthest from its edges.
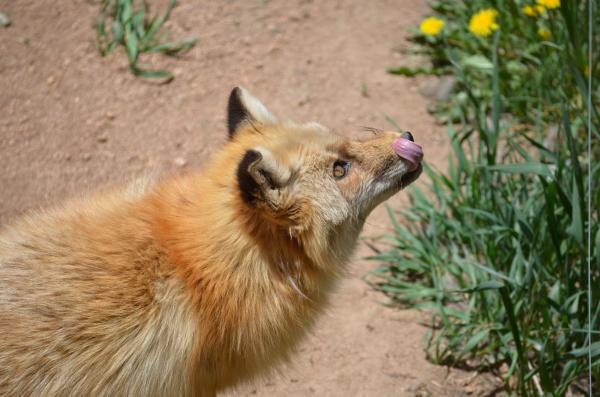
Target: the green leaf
(131, 44)
(137, 21)
(127, 10)
(576, 227)
(598, 248)
(463, 163)
(584, 351)
(522, 168)
(545, 374)
(155, 74)
(173, 47)
(484, 286)
(478, 62)
(117, 31)
(474, 340)
(412, 71)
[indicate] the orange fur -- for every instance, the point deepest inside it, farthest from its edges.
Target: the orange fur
(195, 283)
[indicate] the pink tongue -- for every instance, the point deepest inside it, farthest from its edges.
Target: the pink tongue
(409, 151)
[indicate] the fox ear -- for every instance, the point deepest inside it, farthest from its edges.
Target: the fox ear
(261, 177)
(243, 108)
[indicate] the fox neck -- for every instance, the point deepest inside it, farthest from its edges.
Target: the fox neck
(258, 280)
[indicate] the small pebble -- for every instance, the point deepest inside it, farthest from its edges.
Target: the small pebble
(180, 161)
(439, 89)
(4, 20)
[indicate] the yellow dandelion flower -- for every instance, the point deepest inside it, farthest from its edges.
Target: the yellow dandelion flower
(529, 11)
(484, 22)
(431, 26)
(549, 4)
(533, 10)
(544, 33)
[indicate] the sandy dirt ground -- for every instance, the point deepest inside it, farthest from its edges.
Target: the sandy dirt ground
(72, 122)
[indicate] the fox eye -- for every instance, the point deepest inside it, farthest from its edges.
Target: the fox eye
(340, 169)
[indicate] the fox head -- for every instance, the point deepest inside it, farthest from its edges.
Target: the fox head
(303, 181)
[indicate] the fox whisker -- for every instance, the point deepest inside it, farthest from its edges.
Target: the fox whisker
(373, 130)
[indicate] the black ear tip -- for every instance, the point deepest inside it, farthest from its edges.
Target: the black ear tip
(235, 92)
(235, 97)
(235, 110)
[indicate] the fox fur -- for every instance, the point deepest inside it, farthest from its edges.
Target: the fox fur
(192, 284)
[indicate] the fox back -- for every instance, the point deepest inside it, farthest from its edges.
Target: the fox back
(188, 285)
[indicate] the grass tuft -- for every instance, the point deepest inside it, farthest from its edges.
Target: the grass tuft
(127, 23)
(496, 248)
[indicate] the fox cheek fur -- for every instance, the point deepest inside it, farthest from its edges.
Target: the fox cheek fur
(196, 283)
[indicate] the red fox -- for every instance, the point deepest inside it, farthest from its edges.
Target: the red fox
(189, 285)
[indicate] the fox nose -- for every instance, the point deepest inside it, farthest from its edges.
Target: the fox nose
(409, 136)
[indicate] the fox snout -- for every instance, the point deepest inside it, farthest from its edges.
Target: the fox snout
(389, 155)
